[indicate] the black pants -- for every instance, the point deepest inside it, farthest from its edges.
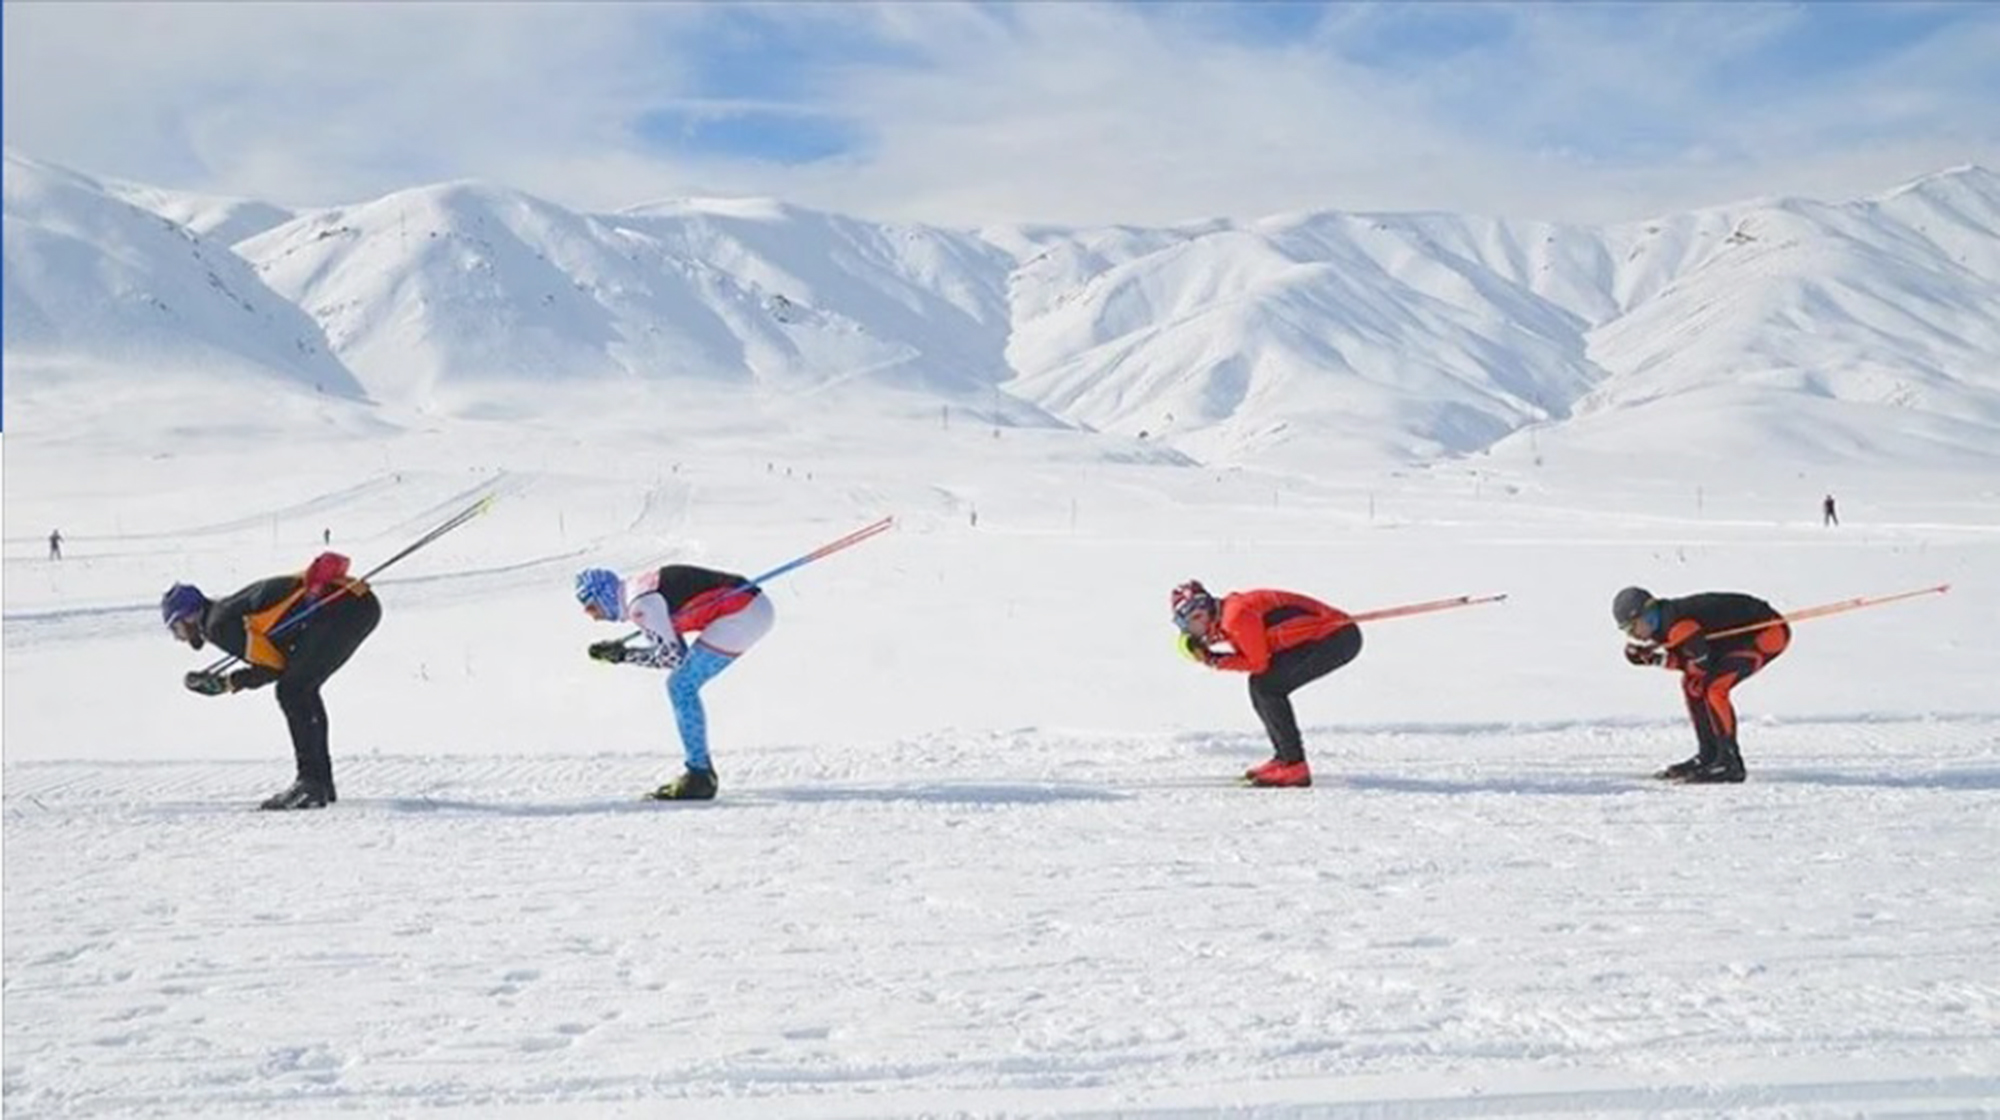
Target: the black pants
(1271, 690)
(324, 643)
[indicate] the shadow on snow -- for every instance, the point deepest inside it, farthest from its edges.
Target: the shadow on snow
(941, 793)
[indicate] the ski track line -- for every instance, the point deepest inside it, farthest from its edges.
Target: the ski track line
(260, 520)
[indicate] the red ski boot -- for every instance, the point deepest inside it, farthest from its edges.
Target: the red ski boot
(1276, 774)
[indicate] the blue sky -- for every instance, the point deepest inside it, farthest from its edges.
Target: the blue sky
(966, 114)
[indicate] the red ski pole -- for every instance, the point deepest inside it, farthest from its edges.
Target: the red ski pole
(820, 553)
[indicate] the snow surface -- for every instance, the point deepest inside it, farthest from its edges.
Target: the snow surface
(978, 849)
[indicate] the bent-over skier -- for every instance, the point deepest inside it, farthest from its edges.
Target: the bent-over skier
(1676, 634)
(728, 612)
(296, 630)
(1284, 640)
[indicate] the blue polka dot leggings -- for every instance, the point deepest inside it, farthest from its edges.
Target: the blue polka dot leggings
(684, 684)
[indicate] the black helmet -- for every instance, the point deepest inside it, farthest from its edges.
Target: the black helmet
(1629, 604)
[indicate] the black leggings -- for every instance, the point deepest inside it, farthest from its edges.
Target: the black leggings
(1271, 690)
(324, 643)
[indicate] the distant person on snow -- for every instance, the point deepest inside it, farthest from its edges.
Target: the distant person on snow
(296, 630)
(728, 612)
(1676, 634)
(55, 544)
(1284, 641)
(1827, 516)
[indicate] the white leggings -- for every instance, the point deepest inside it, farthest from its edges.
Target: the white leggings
(734, 633)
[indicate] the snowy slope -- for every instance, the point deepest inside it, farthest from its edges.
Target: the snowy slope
(977, 851)
(218, 219)
(93, 280)
(444, 297)
(1817, 333)
(1854, 331)
(1776, 329)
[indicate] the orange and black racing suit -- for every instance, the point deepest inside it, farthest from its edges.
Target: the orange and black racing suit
(299, 656)
(1710, 667)
(1284, 640)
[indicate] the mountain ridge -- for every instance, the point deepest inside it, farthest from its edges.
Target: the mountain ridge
(1315, 336)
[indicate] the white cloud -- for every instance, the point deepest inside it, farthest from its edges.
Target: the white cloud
(1054, 112)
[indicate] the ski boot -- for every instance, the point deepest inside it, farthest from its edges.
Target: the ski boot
(1278, 774)
(1726, 768)
(1679, 771)
(1250, 775)
(301, 794)
(695, 785)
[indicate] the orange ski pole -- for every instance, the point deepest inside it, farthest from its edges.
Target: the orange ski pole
(1426, 608)
(1825, 609)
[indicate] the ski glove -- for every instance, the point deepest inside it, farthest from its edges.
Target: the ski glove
(1194, 649)
(208, 684)
(666, 655)
(1640, 653)
(613, 651)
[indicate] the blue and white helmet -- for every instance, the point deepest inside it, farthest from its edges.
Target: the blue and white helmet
(601, 588)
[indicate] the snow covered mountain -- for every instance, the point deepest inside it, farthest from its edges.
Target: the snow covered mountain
(95, 282)
(1815, 331)
(436, 294)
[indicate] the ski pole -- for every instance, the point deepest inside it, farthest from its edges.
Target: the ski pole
(1426, 608)
(1825, 609)
(453, 522)
(820, 553)
(1409, 609)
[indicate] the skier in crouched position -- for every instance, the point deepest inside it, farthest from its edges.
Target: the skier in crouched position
(295, 630)
(1284, 640)
(1688, 635)
(728, 612)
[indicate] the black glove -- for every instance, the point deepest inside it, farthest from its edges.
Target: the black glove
(612, 650)
(208, 684)
(1644, 653)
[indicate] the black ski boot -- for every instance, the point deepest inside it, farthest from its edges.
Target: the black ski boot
(1679, 771)
(695, 785)
(301, 794)
(1725, 769)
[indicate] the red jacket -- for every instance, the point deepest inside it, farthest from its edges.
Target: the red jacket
(1261, 623)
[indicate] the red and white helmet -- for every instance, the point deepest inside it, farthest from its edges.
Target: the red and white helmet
(1189, 599)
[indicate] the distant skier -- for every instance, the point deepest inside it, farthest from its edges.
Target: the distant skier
(1284, 641)
(296, 630)
(55, 544)
(1827, 514)
(1673, 633)
(728, 612)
